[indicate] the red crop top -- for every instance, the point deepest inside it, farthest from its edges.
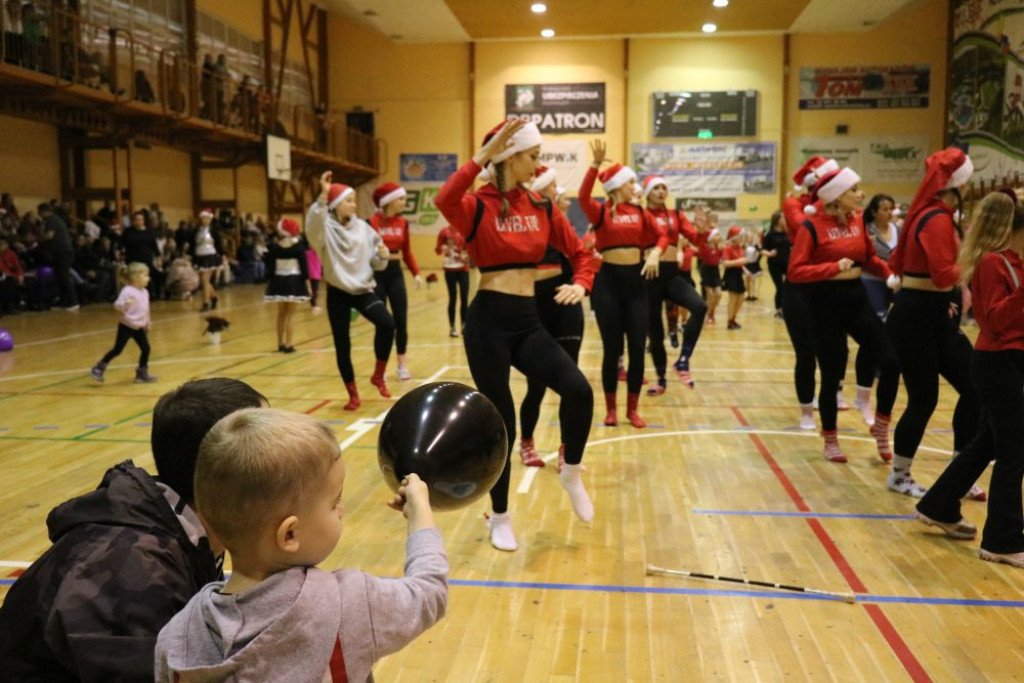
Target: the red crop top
(822, 241)
(674, 223)
(631, 226)
(929, 248)
(793, 212)
(731, 252)
(709, 254)
(516, 241)
(999, 301)
(394, 230)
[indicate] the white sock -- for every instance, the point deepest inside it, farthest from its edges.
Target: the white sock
(901, 463)
(572, 482)
(502, 537)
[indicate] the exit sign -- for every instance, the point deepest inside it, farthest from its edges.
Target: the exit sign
(705, 134)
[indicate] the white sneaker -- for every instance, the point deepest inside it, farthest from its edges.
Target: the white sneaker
(403, 373)
(902, 482)
(841, 403)
(866, 412)
(572, 482)
(807, 418)
(502, 537)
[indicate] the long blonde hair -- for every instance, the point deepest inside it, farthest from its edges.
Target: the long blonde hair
(126, 273)
(990, 231)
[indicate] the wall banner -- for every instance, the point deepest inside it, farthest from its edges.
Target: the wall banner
(882, 159)
(865, 87)
(570, 160)
(713, 170)
(422, 176)
(558, 108)
(427, 167)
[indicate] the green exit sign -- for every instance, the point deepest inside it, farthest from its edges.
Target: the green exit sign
(705, 134)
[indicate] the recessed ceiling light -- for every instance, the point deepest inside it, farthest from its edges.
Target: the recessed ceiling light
(538, 8)
(548, 33)
(720, 3)
(709, 28)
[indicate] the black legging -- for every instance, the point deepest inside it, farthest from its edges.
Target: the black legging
(339, 306)
(565, 323)
(796, 313)
(929, 343)
(671, 286)
(998, 379)
(124, 333)
(840, 308)
(620, 303)
(391, 288)
(777, 269)
(504, 331)
(460, 279)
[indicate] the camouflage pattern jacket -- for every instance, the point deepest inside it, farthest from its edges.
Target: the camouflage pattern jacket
(120, 567)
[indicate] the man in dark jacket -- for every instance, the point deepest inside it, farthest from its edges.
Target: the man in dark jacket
(140, 246)
(125, 557)
(62, 253)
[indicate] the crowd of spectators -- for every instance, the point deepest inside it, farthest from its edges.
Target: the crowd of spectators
(51, 258)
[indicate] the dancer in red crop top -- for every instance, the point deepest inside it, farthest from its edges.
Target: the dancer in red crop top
(389, 199)
(924, 323)
(452, 246)
(507, 229)
(830, 251)
(621, 229)
(991, 263)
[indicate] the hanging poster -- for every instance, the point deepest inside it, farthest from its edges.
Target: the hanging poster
(558, 108)
(882, 159)
(570, 160)
(986, 93)
(422, 176)
(865, 87)
(713, 170)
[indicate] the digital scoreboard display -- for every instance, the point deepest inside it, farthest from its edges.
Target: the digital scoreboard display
(693, 114)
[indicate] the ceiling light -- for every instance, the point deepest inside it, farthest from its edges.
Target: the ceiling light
(538, 8)
(548, 33)
(709, 28)
(720, 3)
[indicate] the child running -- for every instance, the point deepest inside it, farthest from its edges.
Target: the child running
(133, 303)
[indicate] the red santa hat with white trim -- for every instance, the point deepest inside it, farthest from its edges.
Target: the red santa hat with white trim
(288, 225)
(387, 193)
(206, 212)
(651, 182)
(337, 194)
(525, 138)
(832, 186)
(615, 176)
(542, 177)
(946, 169)
(809, 173)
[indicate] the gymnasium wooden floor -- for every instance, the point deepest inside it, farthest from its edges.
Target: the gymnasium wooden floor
(721, 482)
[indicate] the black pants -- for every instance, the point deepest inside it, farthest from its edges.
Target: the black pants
(796, 313)
(840, 308)
(671, 286)
(778, 273)
(8, 295)
(565, 324)
(391, 288)
(124, 333)
(459, 279)
(929, 343)
(505, 331)
(339, 307)
(998, 379)
(62, 269)
(620, 302)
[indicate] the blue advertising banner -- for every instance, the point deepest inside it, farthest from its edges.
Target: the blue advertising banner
(427, 167)
(711, 170)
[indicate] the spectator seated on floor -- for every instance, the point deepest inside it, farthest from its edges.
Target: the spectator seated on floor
(182, 278)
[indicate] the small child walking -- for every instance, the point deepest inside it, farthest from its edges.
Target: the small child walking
(734, 258)
(133, 303)
(288, 275)
(268, 485)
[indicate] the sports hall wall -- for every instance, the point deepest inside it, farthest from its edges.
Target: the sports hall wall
(421, 94)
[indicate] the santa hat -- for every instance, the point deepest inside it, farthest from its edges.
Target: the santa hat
(387, 193)
(542, 177)
(834, 184)
(651, 182)
(734, 231)
(206, 212)
(944, 170)
(615, 176)
(804, 176)
(337, 194)
(289, 226)
(525, 138)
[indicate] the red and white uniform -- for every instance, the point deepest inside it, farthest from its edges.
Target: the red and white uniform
(631, 226)
(999, 302)
(394, 230)
(516, 241)
(929, 247)
(454, 257)
(674, 223)
(822, 241)
(708, 253)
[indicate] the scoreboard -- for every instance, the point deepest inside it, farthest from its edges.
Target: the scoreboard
(709, 114)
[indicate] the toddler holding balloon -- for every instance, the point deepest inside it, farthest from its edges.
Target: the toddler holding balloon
(268, 486)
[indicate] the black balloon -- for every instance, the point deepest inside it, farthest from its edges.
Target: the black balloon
(449, 434)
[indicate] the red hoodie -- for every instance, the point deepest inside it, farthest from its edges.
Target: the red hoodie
(394, 230)
(821, 241)
(631, 226)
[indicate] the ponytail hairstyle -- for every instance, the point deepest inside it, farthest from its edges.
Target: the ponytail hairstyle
(994, 224)
(127, 272)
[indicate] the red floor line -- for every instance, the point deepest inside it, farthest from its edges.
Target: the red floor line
(882, 623)
(318, 406)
